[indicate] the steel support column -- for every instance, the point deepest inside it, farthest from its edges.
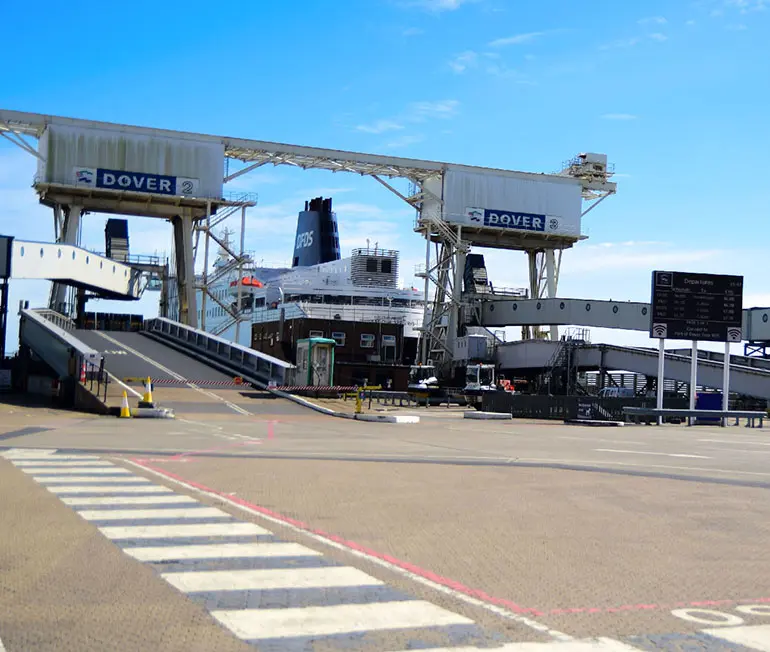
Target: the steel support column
(185, 269)
(68, 235)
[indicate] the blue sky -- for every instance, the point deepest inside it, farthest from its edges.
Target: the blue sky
(675, 92)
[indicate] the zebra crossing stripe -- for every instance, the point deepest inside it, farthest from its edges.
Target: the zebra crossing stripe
(753, 637)
(221, 551)
(601, 644)
(255, 624)
(281, 578)
(196, 530)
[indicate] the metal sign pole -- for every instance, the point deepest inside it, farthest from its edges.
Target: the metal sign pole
(726, 383)
(661, 368)
(693, 377)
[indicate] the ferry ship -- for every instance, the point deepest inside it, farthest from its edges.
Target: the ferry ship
(359, 297)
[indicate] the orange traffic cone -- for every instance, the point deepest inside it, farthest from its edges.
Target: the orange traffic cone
(83, 373)
(125, 411)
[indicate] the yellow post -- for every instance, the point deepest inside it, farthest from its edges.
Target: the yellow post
(359, 399)
(125, 411)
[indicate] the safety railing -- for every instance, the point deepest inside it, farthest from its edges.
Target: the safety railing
(241, 359)
(50, 335)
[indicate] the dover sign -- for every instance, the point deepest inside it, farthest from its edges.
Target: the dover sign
(159, 184)
(705, 307)
(511, 220)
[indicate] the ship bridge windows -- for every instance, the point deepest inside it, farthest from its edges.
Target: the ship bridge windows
(387, 266)
(371, 265)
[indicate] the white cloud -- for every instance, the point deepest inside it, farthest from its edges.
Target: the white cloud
(657, 36)
(420, 111)
(416, 112)
(740, 27)
(516, 39)
(621, 43)
(404, 141)
(745, 6)
(460, 63)
(380, 126)
(412, 31)
(652, 20)
(438, 6)
(619, 116)
(690, 23)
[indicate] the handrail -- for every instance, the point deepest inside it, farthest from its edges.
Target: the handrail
(262, 366)
(92, 356)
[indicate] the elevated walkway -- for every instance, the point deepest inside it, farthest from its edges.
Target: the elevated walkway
(74, 266)
(531, 355)
(498, 312)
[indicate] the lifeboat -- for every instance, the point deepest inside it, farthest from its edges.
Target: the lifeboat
(250, 281)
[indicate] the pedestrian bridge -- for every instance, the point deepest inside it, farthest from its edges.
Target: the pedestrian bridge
(72, 265)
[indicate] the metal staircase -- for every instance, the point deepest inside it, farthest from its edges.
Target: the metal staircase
(561, 373)
(442, 274)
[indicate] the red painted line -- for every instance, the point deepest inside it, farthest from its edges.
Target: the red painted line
(416, 570)
(271, 429)
(439, 579)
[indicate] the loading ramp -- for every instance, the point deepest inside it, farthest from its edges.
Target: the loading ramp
(168, 352)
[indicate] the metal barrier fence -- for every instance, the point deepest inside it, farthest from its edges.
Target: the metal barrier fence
(245, 361)
(524, 406)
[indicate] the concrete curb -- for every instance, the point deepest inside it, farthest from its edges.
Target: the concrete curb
(388, 418)
(594, 423)
(497, 416)
(373, 418)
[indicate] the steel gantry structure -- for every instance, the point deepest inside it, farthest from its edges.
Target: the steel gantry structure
(442, 272)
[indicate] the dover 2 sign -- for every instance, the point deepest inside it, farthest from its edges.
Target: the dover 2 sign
(159, 184)
(705, 307)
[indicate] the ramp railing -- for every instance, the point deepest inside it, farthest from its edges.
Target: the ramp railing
(50, 335)
(240, 359)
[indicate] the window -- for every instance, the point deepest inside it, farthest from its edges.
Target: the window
(387, 266)
(339, 337)
(371, 264)
(388, 340)
(316, 333)
(367, 341)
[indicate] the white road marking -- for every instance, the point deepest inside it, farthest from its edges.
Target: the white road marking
(549, 460)
(23, 464)
(79, 501)
(340, 619)
(614, 441)
(221, 551)
(754, 637)
(112, 489)
(19, 453)
(67, 471)
(139, 514)
(613, 450)
(419, 579)
(2, 647)
(171, 373)
(712, 617)
(92, 479)
(270, 578)
(184, 530)
(601, 644)
(733, 441)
